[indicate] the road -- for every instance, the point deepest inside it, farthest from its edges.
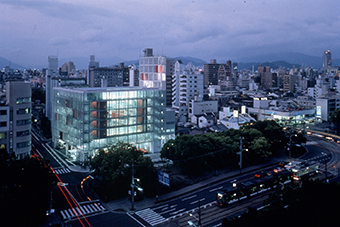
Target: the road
(178, 210)
(77, 205)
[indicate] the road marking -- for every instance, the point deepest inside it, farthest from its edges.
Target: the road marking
(197, 201)
(189, 198)
(216, 189)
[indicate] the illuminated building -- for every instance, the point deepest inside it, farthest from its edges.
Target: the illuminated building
(326, 59)
(88, 119)
(156, 72)
(18, 98)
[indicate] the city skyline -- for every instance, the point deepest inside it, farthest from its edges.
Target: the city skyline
(219, 29)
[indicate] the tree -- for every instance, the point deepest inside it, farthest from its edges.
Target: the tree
(38, 94)
(114, 167)
(335, 117)
(24, 190)
(45, 126)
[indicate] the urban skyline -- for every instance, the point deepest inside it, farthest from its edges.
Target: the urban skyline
(218, 29)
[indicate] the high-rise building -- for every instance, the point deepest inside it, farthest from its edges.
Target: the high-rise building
(18, 98)
(156, 72)
(211, 73)
(187, 86)
(326, 59)
(266, 76)
(52, 71)
(88, 119)
(289, 83)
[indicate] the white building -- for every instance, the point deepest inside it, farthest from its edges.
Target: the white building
(326, 105)
(187, 85)
(202, 107)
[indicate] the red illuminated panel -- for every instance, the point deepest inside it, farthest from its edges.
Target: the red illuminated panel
(94, 124)
(94, 114)
(94, 105)
(94, 133)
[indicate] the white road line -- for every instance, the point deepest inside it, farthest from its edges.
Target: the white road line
(62, 213)
(189, 198)
(85, 208)
(168, 211)
(197, 201)
(160, 207)
(215, 189)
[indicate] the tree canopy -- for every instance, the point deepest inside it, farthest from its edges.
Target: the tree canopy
(210, 151)
(25, 190)
(114, 167)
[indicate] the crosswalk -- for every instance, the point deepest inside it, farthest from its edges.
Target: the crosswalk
(151, 216)
(82, 210)
(62, 171)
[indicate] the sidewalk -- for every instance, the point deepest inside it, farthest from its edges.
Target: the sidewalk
(125, 205)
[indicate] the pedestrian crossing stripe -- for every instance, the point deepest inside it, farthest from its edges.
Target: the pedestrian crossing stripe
(61, 171)
(151, 217)
(82, 210)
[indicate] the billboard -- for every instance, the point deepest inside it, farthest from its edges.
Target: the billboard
(163, 178)
(318, 111)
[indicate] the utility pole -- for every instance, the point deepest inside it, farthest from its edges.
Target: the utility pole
(199, 213)
(290, 144)
(240, 153)
(132, 186)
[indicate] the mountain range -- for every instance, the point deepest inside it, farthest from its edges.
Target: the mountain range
(288, 60)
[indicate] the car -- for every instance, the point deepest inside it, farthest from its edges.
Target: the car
(278, 169)
(282, 164)
(260, 174)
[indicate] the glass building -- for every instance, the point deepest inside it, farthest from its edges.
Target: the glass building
(87, 119)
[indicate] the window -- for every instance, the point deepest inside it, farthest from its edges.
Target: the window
(24, 144)
(3, 124)
(2, 135)
(24, 111)
(24, 122)
(23, 133)
(3, 112)
(23, 100)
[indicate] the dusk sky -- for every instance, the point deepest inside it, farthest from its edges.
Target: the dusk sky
(31, 30)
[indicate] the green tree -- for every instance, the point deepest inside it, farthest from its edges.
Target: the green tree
(114, 167)
(335, 117)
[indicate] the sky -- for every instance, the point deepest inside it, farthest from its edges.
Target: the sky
(31, 30)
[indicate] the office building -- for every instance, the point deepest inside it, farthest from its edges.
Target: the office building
(52, 71)
(289, 83)
(18, 112)
(88, 119)
(116, 76)
(211, 73)
(326, 59)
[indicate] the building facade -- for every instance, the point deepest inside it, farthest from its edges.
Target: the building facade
(327, 59)
(187, 85)
(116, 76)
(88, 119)
(211, 73)
(156, 72)
(18, 98)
